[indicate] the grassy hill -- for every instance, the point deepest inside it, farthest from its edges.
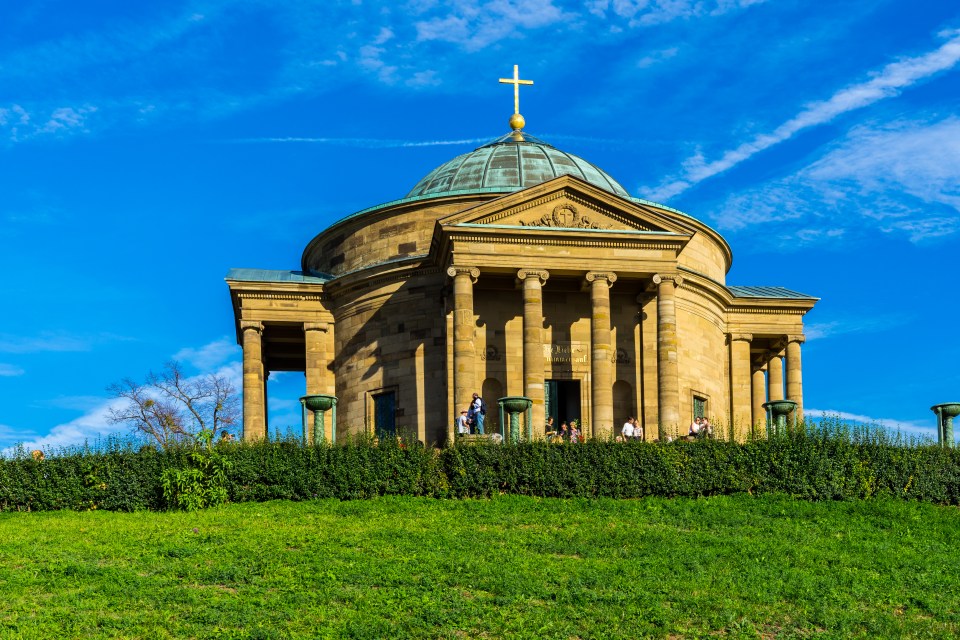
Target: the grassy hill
(509, 567)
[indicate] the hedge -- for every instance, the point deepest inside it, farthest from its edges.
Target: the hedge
(812, 466)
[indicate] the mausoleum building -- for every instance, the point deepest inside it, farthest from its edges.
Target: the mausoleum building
(519, 270)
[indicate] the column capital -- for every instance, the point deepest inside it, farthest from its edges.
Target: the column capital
(609, 276)
(661, 277)
(456, 270)
(542, 274)
(798, 338)
(745, 337)
(255, 325)
(316, 326)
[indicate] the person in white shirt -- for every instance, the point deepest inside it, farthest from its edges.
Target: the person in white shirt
(706, 429)
(695, 428)
(479, 412)
(463, 425)
(627, 430)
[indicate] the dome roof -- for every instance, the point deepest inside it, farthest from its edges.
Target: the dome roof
(515, 161)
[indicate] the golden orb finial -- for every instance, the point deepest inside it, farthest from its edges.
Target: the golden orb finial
(517, 122)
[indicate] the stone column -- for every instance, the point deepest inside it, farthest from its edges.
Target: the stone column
(794, 380)
(601, 364)
(759, 395)
(668, 387)
(533, 385)
(464, 332)
(315, 338)
(740, 405)
(254, 418)
(775, 375)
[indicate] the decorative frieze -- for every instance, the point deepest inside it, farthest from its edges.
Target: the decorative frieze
(564, 216)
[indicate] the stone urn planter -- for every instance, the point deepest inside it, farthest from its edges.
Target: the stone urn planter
(513, 406)
(946, 412)
(779, 410)
(319, 404)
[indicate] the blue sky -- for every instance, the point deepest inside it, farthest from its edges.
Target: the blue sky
(145, 148)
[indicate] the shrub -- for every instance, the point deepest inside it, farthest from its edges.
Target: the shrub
(813, 464)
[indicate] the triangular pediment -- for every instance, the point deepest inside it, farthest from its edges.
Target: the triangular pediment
(566, 203)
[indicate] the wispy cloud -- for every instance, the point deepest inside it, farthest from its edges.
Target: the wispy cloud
(165, 64)
(366, 143)
(11, 435)
(888, 82)
(18, 124)
(95, 422)
(857, 324)
(648, 13)
(656, 57)
(897, 178)
(210, 355)
(906, 427)
(48, 341)
(476, 25)
(10, 370)
(90, 426)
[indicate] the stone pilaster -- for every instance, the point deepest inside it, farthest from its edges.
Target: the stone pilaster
(759, 396)
(740, 405)
(254, 411)
(775, 375)
(464, 332)
(794, 379)
(668, 387)
(315, 340)
(533, 366)
(601, 364)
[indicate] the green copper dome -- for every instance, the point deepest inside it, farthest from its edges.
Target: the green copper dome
(515, 161)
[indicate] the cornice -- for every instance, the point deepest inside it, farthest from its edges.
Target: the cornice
(262, 295)
(522, 236)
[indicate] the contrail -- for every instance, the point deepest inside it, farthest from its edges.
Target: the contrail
(887, 83)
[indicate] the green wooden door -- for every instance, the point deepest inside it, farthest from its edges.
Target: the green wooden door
(552, 398)
(385, 414)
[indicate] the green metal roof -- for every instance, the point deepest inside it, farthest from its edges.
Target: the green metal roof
(768, 292)
(273, 275)
(509, 165)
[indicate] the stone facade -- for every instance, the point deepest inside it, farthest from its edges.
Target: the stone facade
(593, 305)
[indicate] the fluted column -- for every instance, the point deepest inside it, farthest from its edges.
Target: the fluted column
(254, 418)
(759, 396)
(668, 387)
(315, 338)
(741, 408)
(775, 375)
(794, 380)
(464, 332)
(533, 386)
(601, 364)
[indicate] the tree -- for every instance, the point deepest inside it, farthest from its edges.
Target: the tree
(170, 408)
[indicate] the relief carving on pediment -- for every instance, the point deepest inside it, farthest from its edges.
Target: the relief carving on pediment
(564, 216)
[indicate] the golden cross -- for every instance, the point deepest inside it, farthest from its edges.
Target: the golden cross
(516, 82)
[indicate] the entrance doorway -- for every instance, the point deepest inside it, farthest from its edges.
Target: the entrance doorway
(385, 414)
(563, 401)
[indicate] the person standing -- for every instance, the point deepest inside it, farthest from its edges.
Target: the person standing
(479, 408)
(627, 430)
(463, 425)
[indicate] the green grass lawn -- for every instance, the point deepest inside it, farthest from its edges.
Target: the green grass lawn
(510, 567)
